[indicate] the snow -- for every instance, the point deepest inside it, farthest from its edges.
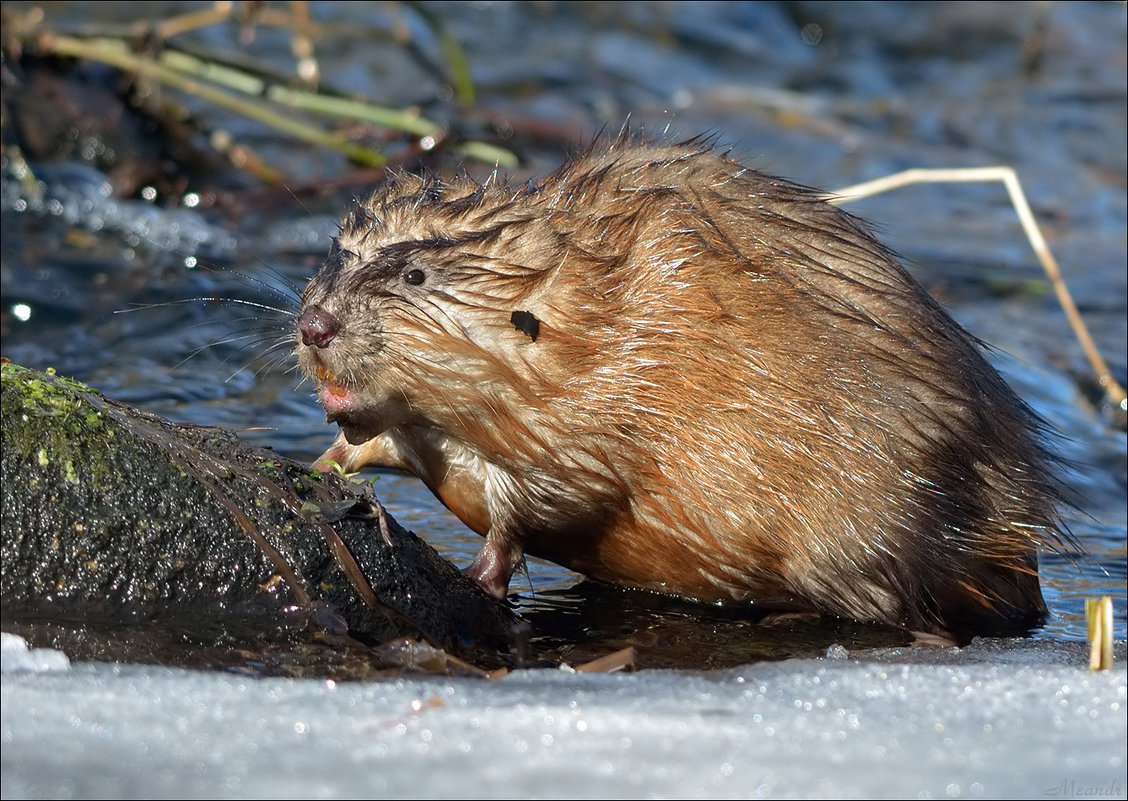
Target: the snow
(996, 719)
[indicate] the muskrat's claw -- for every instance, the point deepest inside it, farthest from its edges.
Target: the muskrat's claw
(344, 457)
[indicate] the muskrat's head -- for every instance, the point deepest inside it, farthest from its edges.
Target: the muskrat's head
(426, 307)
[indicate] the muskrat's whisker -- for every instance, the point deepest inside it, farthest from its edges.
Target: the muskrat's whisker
(250, 330)
(205, 299)
(288, 290)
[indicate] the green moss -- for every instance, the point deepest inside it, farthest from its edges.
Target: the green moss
(57, 419)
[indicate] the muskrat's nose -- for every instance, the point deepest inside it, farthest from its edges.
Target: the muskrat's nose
(317, 326)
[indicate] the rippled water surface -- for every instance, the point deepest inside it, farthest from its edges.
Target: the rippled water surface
(132, 296)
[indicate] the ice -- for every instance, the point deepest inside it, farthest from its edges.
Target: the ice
(15, 655)
(996, 719)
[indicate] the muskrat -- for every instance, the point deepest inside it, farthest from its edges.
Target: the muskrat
(665, 370)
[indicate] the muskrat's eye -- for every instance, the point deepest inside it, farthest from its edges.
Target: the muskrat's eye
(415, 276)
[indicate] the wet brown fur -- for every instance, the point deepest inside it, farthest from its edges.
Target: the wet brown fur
(734, 392)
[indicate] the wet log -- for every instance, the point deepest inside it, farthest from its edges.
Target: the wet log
(110, 513)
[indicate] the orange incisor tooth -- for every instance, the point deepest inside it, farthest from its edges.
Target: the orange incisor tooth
(328, 378)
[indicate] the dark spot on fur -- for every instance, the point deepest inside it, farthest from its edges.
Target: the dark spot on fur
(527, 323)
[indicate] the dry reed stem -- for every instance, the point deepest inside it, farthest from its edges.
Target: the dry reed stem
(1007, 176)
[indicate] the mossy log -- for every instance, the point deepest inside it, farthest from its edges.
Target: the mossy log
(112, 513)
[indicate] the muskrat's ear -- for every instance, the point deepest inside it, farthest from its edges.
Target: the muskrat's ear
(527, 323)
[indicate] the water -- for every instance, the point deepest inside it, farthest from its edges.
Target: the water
(825, 94)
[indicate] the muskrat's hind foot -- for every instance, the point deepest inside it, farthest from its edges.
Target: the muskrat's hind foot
(493, 567)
